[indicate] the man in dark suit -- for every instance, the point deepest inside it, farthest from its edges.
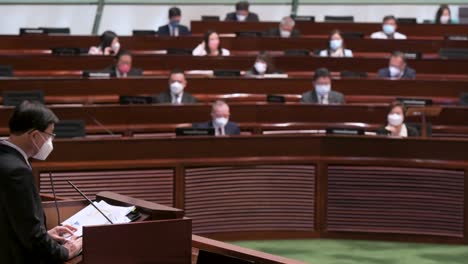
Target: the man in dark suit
(176, 94)
(23, 234)
(123, 66)
(397, 68)
(285, 30)
(242, 13)
(220, 120)
(174, 28)
(322, 94)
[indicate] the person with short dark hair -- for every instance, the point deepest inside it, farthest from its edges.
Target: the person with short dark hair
(322, 94)
(336, 46)
(174, 28)
(176, 93)
(109, 45)
(123, 66)
(242, 13)
(397, 68)
(23, 234)
(395, 122)
(263, 65)
(444, 15)
(211, 46)
(220, 115)
(285, 29)
(389, 30)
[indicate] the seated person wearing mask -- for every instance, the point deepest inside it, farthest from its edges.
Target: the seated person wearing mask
(213, 48)
(444, 15)
(396, 125)
(285, 30)
(263, 65)
(23, 234)
(176, 94)
(322, 94)
(389, 28)
(397, 68)
(174, 28)
(123, 67)
(242, 13)
(109, 45)
(220, 120)
(337, 47)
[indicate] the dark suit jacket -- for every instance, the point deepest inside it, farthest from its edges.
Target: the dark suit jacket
(409, 73)
(275, 32)
(183, 31)
(132, 72)
(412, 132)
(333, 97)
(23, 234)
(165, 98)
(231, 128)
(252, 17)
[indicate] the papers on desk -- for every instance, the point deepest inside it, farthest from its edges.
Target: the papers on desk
(90, 216)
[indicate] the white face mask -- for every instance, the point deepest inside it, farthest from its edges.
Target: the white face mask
(115, 47)
(285, 33)
(322, 89)
(176, 88)
(395, 119)
(45, 150)
(388, 29)
(260, 67)
(220, 121)
(336, 44)
(241, 17)
(444, 19)
(394, 71)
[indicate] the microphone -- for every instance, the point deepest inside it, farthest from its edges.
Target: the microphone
(98, 123)
(55, 198)
(89, 201)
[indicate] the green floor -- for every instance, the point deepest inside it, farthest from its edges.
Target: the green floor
(323, 251)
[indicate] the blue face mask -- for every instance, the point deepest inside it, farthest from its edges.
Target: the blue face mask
(174, 23)
(388, 29)
(336, 44)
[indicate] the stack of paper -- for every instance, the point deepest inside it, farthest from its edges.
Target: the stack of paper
(90, 216)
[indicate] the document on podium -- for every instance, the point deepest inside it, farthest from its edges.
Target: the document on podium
(90, 216)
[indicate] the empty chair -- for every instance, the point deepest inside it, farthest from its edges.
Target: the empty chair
(70, 129)
(210, 18)
(339, 19)
(14, 98)
(6, 71)
(407, 20)
(453, 53)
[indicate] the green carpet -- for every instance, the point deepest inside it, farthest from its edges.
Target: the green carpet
(324, 251)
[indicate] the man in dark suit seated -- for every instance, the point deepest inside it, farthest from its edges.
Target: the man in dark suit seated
(176, 94)
(220, 120)
(23, 234)
(322, 94)
(285, 30)
(397, 68)
(242, 13)
(123, 66)
(174, 28)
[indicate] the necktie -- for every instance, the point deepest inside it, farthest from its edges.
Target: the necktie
(220, 131)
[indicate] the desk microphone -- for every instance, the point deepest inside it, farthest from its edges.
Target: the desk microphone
(89, 201)
(55, 198)
(98, 123)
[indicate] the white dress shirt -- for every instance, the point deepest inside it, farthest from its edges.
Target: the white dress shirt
(176, 99)
(322, 99)
(200, 51)
(382, 35)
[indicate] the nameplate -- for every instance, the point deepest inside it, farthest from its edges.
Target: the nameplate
(344, 131)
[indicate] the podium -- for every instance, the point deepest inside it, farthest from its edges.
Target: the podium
(160, 235)
(424, 112)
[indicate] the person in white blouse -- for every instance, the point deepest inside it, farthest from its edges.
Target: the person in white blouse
(389, 30)
(337, 47)
(211, 46)
(109, 45)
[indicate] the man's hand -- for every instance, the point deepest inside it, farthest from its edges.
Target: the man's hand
(74, 246)
(60, 233)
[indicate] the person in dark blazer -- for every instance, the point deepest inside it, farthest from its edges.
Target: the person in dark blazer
(176, 93)
(242, 13)
(220, 120)
(322, 94)
(174, 28)
(397, 68)
(123, 66)
(395, 122)
(285, 29)
(23, 234)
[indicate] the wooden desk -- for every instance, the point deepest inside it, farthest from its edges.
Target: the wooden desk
(299, 186)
